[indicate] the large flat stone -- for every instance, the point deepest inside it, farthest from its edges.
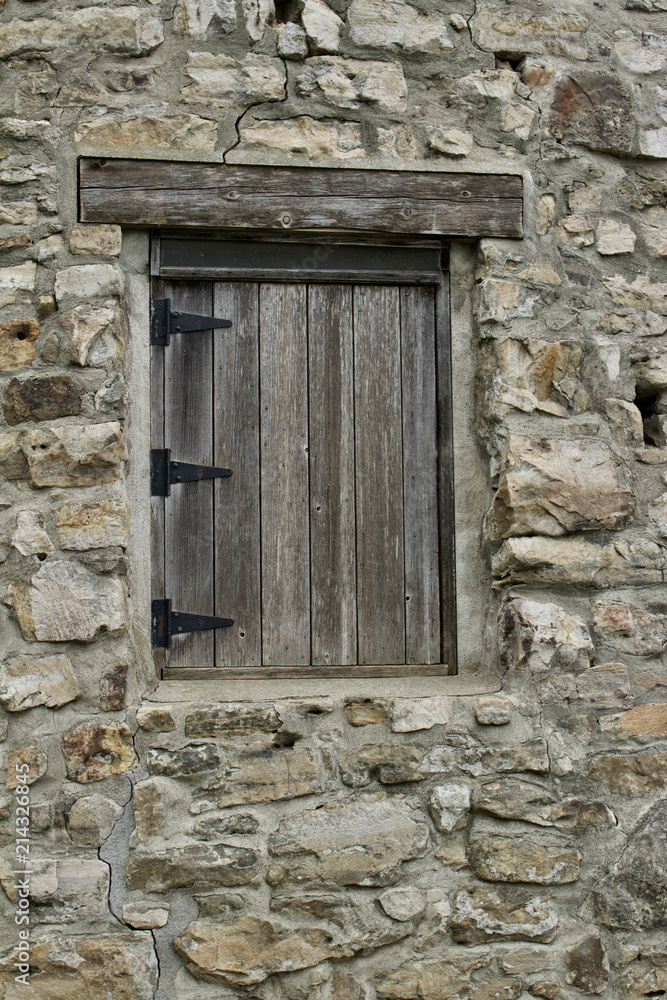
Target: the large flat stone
(176, 131)
(629, 629)
(229, 721)
(579, 562)
(543, 861)
(264, 772)
(98, 750)
(540, 637)
(306, 137)
(85, 455)
(396, 26)
(27, 681)
(385, 763)
(40, 399)
(64, 601)
(531, 802)
(539, 33)
(230, 82)
(479, 915)
(69, 891)
(201, 865)
(447, 976)
(631, 774)
(594, 109)
(347, 83)
(128, 31)
(357, 841)
(554, 486)
(91, 820)
(94, 525)
(182, 763)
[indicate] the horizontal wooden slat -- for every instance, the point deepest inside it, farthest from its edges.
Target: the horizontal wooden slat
(273, 673)
(144, 193)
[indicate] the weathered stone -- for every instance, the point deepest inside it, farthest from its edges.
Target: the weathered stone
(407, 715)
(449, 806)
(400, 26)
(112, 966)
(145, 915)
(229, 721)
(387, 764)
(229, 82)
(614, 237)
(27, 681)
(91, 820)
(633, 895)
(644, 54)
(535, 375)
(653, 142)
(85, 455)
(94, 332)
(540, 637)
(305, 136)
(113, 688)
(579, 562)
(482, 915)
(555, 486)
(98, 241)
(587, 965)
(157, 803)
(528, 756)
(625, 422)
(365, 713)
(292, 42)
(65, 601)
(347, 82)
(606, 685)
(527, 960)
(518, 118)
(402, 904)
(322, 26)
(594, 110)
(127, 31)
(30, 536)
(111, 397)
(219, 904)
(264, 772)
(40, 399)
(650, 372)
(654, 230)
(631, 774)
(84, 281)
(96, 751)
(546, 988)
(629, 629)
(195, 16)
(18, 213)
(492, 710)
(499, 988)
(355, 841)
(214, 827)
(501, 300)
(20, 278)
(69, 890)
(200, 865)
(17, 343)
(644, 720)
(642, 293)
(428, 980)
(644, 972)
(498, 858)
(515, 798)
(181, 763)
(31, 755)
(181, 131)
(540, 34)
(397, 143)
(93, 525)
(449, 141)
(155, 718)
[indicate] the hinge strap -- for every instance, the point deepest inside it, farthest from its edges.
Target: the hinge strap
(166, 623)
(165, 321)
(164, 472)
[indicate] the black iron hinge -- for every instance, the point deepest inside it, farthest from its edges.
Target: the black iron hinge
(164, 322)
(166, 623)
(164, 472)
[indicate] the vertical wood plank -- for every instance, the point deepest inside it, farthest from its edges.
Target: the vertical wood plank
(236, 447)
(189, 579)
(157, 503)
(284, 475)
(446, 477)
(420, 476)
(331, 453)
(379, 487)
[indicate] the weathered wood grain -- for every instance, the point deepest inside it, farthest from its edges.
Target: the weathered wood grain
(284, 475)
(189, 578)
(236, 446)
(420, 476)
(285, 673)
(157, 441)
(331, 454)
(379, 475)
(446, 480)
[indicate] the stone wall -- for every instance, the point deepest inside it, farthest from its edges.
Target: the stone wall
(346, 846)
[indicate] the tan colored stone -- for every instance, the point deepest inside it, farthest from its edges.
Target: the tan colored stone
(540, 636)
(555, 486)
(480, 914)
(30, 536)
(530, 802)
(96, 751)
(112, 966)
(93, 525)
(322, 25)
(145, 915)
(18, 213)
(356, 841)
(654, 229)
(27, 681)
(430, 980)
(91, 820)
(525, 31)
(578, 562)
(227, 82)
(449, 806)
(546, 204)
(631, 774)
(402, 904)
(84, 455)
(499, 988)
(385, 763)
(266, 773)
(194, 16)
(644, 720)
(304, 136)
(518, 118)
(95, 333)
(31, 755)
(375, 24)
(545, 375)
(642, 292)
(155, 718)
(629, 629)
(397, 142)
(202, 865)
(653, 142)
(644, 973)
(528, 756)
(229, 721)
(407, 715)
(544, 861)
(180, 131)
(64, 601)
(452, 853)
(625, 422)
(84, 281)
(69, 890)
(449, 141)
(614, 237)
(20, 278)
(493, 83)
(527, 960)
(157, 803)
(492, 710)
(127, 31)
(100, 241)
(365, 713)
(546, 988)
(501, 300)
(349, 82)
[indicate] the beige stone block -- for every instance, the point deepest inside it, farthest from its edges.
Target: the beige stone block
(257, 13)
(496, 858)
(545, 214)
(95, 333)
(501, 300)
(103, 241)
(193, 17)
(578, 561)
(654, 229)
(231, 720)
(389, 764)
(493, 710)
(19, 278)
(407, 715)
(402, 904)
(27, 681)
(74, 455)
(449, 141)
(18, 213)
(31, 755)
(30, 536)
(527, 960)
(479, 915)
(264, 772)
(653, 142)
(445, 976)
(127, 31)
(641, 292)
(91, 820)
(625, 422)
(644, 54)
(227, 82)
(69, 890)
(349, 82)
(84, 281)
(145, 915)
(629, 629)
(305, 136)
(397, 143)
(550, 34)
(93, 525)
(322, 26)
(614, 237)
(204, 865)
(155, 718)
(180, 131)
(449, 806)
(540, 636)
(96, 751)
(365, 713)
(631, 774)
(493, 83)
(396, 26)
(517, 118)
